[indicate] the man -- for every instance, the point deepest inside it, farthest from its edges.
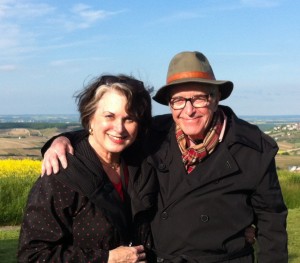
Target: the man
(216, 174)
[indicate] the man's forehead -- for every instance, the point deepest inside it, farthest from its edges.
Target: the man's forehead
(191, 87)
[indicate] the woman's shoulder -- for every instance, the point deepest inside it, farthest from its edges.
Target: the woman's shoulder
(47, 189)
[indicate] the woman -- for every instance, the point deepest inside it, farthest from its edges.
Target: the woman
(83, 213)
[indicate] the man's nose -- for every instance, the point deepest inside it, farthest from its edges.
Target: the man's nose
(189, 108)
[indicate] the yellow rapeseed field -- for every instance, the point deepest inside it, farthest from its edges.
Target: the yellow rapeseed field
(20, 168)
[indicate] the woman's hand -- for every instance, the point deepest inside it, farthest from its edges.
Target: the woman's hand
(57, 152)
(250, 234)
(124, 254)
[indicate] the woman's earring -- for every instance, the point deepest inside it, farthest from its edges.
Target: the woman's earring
(91, 131)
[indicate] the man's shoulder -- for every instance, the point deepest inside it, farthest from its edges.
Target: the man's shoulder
(162, 122)
(159, 132)
(250, 134)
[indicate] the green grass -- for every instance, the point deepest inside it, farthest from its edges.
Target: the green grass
(8, 244)
(293, 227)
(290, 186)
(13, 195)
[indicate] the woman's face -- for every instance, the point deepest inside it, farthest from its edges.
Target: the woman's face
(194, 122)
(113, 129)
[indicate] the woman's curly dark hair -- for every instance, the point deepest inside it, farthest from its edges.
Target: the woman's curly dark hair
(138, 99)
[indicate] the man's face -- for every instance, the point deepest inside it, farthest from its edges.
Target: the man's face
(194, 122)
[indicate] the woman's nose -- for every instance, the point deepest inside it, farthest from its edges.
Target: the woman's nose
(119, 126)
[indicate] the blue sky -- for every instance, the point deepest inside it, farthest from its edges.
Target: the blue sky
(49, 49)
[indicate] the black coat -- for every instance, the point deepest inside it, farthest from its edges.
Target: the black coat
(202, 216)
(77, 215)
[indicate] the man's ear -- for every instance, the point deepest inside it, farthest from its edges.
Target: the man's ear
(217, 100)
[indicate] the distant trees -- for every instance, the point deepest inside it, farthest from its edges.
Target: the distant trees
(37, 125)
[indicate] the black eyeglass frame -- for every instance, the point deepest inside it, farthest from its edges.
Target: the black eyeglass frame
(204, 97)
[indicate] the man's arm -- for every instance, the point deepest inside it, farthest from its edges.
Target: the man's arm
(55, 149)
(271, 214)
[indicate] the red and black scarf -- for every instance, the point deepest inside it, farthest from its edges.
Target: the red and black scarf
(194, 154)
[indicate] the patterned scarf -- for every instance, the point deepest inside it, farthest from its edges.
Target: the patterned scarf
(194, 154)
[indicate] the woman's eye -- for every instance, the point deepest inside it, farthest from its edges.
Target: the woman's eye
(129, 120)
(109, 117)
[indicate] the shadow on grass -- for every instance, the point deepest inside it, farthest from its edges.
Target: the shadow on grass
(8, 250)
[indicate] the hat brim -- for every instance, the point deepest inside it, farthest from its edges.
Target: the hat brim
(162, 95)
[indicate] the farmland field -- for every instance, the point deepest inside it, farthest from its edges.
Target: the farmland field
(25, 137)
(21, 147)
(285, 161)
(26, 143)
(19, 143)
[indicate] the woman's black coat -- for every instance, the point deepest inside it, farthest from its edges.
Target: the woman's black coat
(77, 215)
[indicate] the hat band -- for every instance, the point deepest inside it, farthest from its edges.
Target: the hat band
(191, 74)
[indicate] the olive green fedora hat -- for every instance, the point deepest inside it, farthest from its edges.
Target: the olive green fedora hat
(191, 67)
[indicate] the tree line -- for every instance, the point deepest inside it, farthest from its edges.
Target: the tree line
(36, 125)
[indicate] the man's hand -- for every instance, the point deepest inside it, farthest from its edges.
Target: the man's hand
(57, 152)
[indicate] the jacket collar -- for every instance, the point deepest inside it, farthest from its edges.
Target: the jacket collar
(240, 131)
(237, 131)
(86, 175)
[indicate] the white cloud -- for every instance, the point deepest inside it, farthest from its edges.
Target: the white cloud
(7, 67)
(87, 14)
(19, 26)
(85, 17)
(23, 9)
(9, 33)
(27, 27)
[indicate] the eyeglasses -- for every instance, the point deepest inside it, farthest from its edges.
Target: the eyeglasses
(110, 79)
(198, 101)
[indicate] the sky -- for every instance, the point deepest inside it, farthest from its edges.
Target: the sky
(50, 49)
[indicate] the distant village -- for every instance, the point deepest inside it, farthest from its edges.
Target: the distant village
(288, 127)
(287, 131)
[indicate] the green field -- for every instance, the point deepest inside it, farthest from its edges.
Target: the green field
(8, 244)
(294, 235)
